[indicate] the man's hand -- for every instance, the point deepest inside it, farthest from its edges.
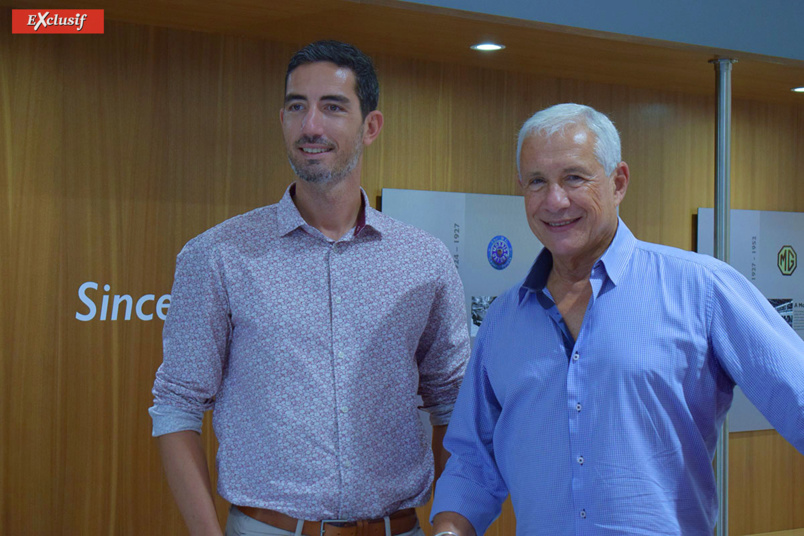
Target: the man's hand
(453, 522)
(188, 476)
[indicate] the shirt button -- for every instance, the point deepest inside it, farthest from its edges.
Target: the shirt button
(344, 409)
(578, 407)
(580, 460)
(576, 357)
(341, 355)
(337, 299)
(583, 514)
(347, 464)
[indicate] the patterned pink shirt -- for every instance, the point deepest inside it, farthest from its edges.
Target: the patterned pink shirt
(311, 352)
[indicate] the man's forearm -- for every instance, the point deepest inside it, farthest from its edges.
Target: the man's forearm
(188, 476)
(452, 522)
(440, 454)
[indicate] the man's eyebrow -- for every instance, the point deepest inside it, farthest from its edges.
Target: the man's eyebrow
(329, 98)
(294, 96)
(534, 175)
(336, 98)
(576, 169)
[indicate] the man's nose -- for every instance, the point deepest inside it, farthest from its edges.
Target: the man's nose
(557, 198)
(313, 123)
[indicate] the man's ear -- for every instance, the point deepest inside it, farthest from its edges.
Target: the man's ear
(622, 175)
(372, 126)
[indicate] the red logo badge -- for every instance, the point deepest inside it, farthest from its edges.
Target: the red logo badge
(57, 21)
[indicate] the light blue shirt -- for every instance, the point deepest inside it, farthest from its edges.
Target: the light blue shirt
(615, 433)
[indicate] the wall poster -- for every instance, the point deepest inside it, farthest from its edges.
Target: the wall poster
(488, 236)
(764, 247)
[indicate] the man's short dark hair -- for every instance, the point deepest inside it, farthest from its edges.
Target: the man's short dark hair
(343, 55)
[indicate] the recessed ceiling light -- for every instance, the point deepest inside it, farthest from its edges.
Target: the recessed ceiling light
(487, 46)
(798, 89)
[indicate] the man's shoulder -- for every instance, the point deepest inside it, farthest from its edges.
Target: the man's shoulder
(676, 257)
(256, 224)
(508, 300)
(405, 233)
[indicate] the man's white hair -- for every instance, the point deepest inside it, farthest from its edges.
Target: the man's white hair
(556, 118)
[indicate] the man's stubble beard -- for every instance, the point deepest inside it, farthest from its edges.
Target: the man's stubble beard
(327, 177)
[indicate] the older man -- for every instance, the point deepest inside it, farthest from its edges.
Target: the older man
(597, 386)
(309, 327)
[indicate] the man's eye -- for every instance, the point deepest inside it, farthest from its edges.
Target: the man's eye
(575, 179)
(294, 107)
(333, 108)
(535, 184)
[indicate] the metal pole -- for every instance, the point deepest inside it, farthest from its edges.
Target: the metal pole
(722, 252)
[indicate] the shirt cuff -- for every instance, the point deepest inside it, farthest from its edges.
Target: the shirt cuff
(440, 414)
(167, 420)
(460, 495)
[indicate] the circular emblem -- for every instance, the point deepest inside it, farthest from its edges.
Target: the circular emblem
(500, 252)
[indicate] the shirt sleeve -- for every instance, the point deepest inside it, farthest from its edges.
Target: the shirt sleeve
(471, 484)
(760, 351)
(195, 342)
(444, 348)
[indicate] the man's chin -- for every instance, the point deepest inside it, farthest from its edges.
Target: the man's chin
(317, 178)
(318, 174)
(312, 176)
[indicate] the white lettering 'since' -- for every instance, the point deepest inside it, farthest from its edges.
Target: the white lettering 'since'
(145, 307)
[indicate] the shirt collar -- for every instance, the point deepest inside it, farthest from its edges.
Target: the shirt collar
(289, 218)
(614, 260)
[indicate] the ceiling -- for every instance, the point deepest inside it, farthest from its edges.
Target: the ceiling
(437, 34)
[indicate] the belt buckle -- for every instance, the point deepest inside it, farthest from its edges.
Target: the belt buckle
(323, 522)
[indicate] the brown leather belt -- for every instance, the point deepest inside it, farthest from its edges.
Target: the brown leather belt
(401, 522)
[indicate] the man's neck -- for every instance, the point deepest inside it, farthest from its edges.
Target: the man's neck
(570, 287)
(573, 272)
(332, 209)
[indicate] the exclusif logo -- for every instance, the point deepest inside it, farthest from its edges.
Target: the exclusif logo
(57, 21)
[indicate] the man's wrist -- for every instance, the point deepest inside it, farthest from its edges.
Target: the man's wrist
(452, 524)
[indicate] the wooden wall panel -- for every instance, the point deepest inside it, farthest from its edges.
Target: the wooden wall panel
(31, 363)
(768, 491)
(767, 155)
(119, 148)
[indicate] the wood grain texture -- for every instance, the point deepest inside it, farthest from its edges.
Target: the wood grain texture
(793, 532)
(119, 148)
(406, 29)
(766, 483)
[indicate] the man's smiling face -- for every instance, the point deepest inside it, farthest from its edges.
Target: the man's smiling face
(322, 122)
(571, 202)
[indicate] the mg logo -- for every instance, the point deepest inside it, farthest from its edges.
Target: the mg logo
(786, 260)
